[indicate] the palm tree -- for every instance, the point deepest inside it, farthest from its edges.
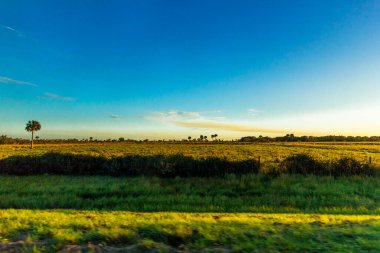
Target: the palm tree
(189, 138)
(32, 126)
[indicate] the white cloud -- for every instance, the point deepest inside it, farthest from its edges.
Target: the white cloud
(176, 115)
(173, 115)
(10, 29)
(49, 95)
(235, 127)
(208, 120)
(210, 112)
(253, 112)
(116, 116)
(7, 80)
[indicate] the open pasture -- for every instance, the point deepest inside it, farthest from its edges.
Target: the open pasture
(269, 153)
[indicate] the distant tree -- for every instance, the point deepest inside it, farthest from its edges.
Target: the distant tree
(91, 138)
(32, 126)
(4, 139)
(213, 136)
(205, 137)
(201, 137)
(189, 138)
(121, 139)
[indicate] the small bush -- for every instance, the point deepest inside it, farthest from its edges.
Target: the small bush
(302, 164)
(350, 166)
(306, 165)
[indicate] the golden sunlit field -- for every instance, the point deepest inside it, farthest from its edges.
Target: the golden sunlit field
(269, 152)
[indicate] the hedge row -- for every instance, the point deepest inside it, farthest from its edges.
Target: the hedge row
(173, 165)
(305, 164)
(159, 165)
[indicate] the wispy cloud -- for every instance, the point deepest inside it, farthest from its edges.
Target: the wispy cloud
(183, 116)
(253, 112)
(53, 96)
(172, 115)
(208, 120)
(10, 29)
(116, 116)
(228, 127)
(7, 80)
(211, 112)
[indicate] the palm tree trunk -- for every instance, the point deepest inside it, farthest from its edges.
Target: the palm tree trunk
(31, 143)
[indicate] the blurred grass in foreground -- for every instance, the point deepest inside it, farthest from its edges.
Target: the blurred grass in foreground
(50, 231)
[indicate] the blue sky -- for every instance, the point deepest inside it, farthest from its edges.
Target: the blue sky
(170, 69)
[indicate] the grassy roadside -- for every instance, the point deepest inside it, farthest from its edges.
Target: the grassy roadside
(53, 230)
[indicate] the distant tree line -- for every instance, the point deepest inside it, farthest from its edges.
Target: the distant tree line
(202, 138)
(4, 139)
(327, 138)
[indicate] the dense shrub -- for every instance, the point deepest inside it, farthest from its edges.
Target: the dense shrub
(159, 165)
(302, 164)
(350, 166)
(173, 166)
(305, 165)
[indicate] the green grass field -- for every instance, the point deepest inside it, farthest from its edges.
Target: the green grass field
(248, 213)
(249, 193)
